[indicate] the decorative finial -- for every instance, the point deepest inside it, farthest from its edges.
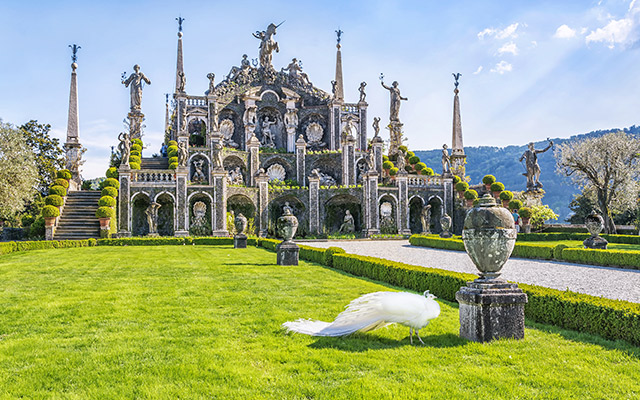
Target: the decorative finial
(339, 32)
(381, 77)
(74, 55)
(180, 21)
(456, 76)
(166, 96)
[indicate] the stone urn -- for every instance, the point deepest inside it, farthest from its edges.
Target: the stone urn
(240, 223)
(445, 222)
(489, 235)
(287, 225)
(595, 224)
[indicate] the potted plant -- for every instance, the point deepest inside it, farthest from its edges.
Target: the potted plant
(496, 188)
(50, 213)
(506, 197)
(104, 214)
(525, 213)
(488, 180)
(470, 195)
(461, 187)
(515, 204)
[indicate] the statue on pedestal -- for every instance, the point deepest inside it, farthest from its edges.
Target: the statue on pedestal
(348, 226)
(394, 93)
(267, 45)
(135, 82)
(183, 154)
(446, 160)
(217, 155)
(425, 217)
(296, 74)
(152, 218)
(212, 86)
(198, 174)
(376, 126)
(532, 166)
(125, 148)
(363, 95)
(267, 135)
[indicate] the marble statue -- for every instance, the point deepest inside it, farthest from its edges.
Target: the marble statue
(267, 45)
(295, 72)
(199, 213)
(212, 85)
(363, 95)
(152, 218)
(125, 148)
(348, 226)
(371, 159)
(533, 168)
(250, 115)
(287, 209)
(183, 154)
(400, 161)
(325, 179)
(217, 155)
(334, 86)
(396, 98)
(425, 217)
(198, 174)
(376, 126)
(267, 134)
(183, 81)
(134, 82)
(235, 177)
(446, 160)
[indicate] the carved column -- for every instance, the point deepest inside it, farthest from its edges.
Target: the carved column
(181, 115)
(448, 198)
(253, 146)
(349, 161)
(371, 203)
(362, 129)
(402, 181)
(182, 208)
(124, 197)
(219, 178)
(314, 204)
(377, 145)
(301, 151)
(212, 127)
(262, 218)
(335, 126)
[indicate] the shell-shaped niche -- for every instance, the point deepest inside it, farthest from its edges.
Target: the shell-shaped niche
(276, 171)
(386, 209)
(314, 132)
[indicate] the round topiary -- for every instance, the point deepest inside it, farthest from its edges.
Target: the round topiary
(64, 174)
(135, 153)
(525, 212)
(426, 171)
(134, 165)
(403, 149)
(414, 160)
(408, 168)
(112, 173)
(387, 165)
(59, 190)
(456, 179)
(172, 143)
(53, 200)
(506, 195)
(420, 166)
(173, 165)
(385, 158)
(172, 151)
(111, 182)
(515, 204)
(470, 194)
(105, 212)
(393, 171)
(488, 179)
(134, 158)
(109, 191)
(50, 212)
(62, 182)
(137, 141)
(136, 147)
(107, 201)
(497, 187)
(173, 160)
(462, 186)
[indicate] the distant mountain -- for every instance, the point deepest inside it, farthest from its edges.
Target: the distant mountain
(502, 162)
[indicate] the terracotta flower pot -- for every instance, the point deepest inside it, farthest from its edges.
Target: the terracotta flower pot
(525, 221)
(496, 195)
(104, 223)
(469, 202)
(461, 195)
(50, 221)
(487, 186)
(505, 203)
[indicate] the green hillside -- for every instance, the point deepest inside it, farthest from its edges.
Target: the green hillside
(502, 162)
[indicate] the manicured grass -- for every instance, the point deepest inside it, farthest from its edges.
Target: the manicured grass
(204, 322)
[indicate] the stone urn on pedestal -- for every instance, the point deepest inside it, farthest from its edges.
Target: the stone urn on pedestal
(595, 224)
(240, 239)
(445, 222)
(490, 308)
(287, 251)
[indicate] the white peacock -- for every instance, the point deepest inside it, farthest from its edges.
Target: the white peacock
(276, 171)
(373, 311)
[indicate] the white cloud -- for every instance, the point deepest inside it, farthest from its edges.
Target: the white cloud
(564, 32)
(508, 48)
(478, 70)
(615, 32)
(502, 67)
(506, 33)
(534, 43)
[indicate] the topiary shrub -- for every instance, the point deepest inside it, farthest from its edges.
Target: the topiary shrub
(387, 165)
(403, 149)
(488, 179)
(135, 153)
(64, 174)
(173, 160)
(414, 160)
(497, 187)
(50, 212)
(420, 166)
(409, 154)
(107, 201)
(173, 165)
(385, 158)
(53, 200)
(172, 143)
(462, 186)
(111, 182)
(506, 195)
(62, 182)
(393, 171)
(137, 141)
(515, 204)
(525, 212)
(59, 190)
(110, 191)
(426, 171)
(136, 147)
(456, 179)
(172, 151)
(134, 165)
(470, 194)
(135, 159)
(408, 168)
(112, 173)
(328, 255)
(105, 212)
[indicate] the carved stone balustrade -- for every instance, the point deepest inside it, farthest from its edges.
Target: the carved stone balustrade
(424, 180)
(153, 176)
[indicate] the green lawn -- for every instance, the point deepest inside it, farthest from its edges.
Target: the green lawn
(204, 322)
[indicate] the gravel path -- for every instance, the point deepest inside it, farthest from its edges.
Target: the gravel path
(608, 282)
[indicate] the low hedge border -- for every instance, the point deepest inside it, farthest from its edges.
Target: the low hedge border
(629, 259)
(558, 236)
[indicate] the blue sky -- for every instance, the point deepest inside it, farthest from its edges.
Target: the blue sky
(529, 69)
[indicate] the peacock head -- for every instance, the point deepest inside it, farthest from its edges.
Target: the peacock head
(429, 296)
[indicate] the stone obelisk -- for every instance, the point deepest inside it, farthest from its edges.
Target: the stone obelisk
(72, 146)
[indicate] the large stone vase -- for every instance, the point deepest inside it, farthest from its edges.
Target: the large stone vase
(595, 224)
(287, 251)
(240, 239)
(287, 226)
(445, 222)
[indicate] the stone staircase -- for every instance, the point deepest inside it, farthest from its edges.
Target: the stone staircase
(78, 219)
(155, 163)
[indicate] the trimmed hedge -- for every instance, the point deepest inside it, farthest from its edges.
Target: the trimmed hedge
(62, 182)
(134, 165)
(10, 247)
(64, 174)
(110, 191)
(612, 258)
(110, 182)
(558, 236)
(58, 190)
(112, 172)
(545, 252)
(454, 243)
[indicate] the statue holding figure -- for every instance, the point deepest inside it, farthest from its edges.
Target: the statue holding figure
(348, 226)
(296, 74)
(267, 45)
(125, 148)
(531, 164)
(198, 174)
(446, 160)
(396, 98)
(425, 217)
(135, 82)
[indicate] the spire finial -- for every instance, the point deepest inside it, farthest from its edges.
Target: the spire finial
(74, 49)
(339, 33)
(456, 76)
(180, 21)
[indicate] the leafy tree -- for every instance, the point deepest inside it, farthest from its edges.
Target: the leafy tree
(18, 172)
(49, 156)
(540, 214)
(606, 168)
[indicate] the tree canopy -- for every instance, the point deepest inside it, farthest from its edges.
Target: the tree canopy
(49, 156)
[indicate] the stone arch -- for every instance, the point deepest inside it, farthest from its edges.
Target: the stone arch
(361, 168)
(269, 91)
(238, 127)
(329, 165)
(239, 203)
(276, 210)
(335, 209)
(388, 222)
(415, 213)
(193, 176)
(197, 227)
(166, 213)
(197, 128)
(139, 203)
(277, 129)
(231, 162)
(437, 211)
(315, 118)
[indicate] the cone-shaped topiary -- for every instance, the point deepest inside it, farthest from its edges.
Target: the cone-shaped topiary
(137, 141)
(136, 147)
(172, 151)
(53, 200)
(173, 160)
(173, 165)
(172, 143)
(134, 165)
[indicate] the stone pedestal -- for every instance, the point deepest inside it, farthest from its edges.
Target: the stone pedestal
(124, 195)
(104, 233)
(287, 253)
(49, 231)
(595, 242)
(240, 241)
(492, 309)
(219, 177)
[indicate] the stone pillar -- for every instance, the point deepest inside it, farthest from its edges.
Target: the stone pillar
(253, 146)
(362, 129)
(182, 208)
(448, 195)
(219, 178)
(371, 203)
(402, 181)
(349, 161)
(395, 137)
(301, 151)
(181, 115)
(124, 197)
(377, 144)
(262, 217)
(335, 126)
(212, 116)
(314, 204)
